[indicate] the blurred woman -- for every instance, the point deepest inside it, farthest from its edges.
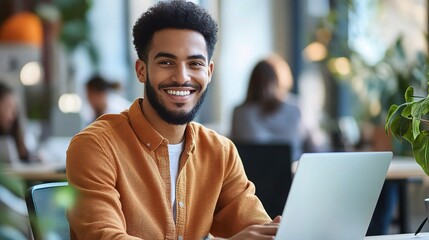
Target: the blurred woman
(9, 121)
(270, 113)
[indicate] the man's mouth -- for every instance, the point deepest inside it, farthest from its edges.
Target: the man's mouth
(179, 93)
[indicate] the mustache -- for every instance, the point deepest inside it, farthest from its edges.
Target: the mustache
(177, 85)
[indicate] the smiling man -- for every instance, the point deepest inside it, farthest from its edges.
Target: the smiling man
(152, 173)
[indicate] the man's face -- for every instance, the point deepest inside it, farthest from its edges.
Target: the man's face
(176, 74)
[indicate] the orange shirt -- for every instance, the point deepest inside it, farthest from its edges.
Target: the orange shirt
(120, 167)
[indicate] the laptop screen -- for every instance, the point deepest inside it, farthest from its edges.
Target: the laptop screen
(333, 195)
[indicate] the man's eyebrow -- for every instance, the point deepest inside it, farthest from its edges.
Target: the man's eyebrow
(172, 56)
(198, 56)
(164, 54)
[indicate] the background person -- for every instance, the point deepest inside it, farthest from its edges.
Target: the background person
(9, 120)
(13, 215)
(270, 113)
(152, 173)
(102, 98)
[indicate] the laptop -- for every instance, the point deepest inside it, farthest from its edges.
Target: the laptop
(333, 195)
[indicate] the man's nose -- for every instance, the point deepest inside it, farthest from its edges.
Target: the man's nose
(182, 74)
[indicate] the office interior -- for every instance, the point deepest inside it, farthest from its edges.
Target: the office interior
(350, 61)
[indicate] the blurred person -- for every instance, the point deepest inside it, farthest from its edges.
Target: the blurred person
(13, 215)
(102, 99)
(270, 113)
(150, 172)
(9, 120)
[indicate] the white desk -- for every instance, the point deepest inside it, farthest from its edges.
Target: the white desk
(411, 236)
(404, 168)
(401, 170)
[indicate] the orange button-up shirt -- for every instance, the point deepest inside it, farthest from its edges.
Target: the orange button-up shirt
(120, 168)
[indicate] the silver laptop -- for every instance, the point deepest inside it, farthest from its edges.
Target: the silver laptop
(333, 195)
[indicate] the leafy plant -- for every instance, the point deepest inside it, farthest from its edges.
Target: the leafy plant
(383, 83)
(409, 121)
(74, 28)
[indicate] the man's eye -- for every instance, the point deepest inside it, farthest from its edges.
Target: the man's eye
(165, 63)
(199, 64)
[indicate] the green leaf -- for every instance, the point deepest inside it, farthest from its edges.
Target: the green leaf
(390, 113)
(407, 111)
(420, 108)
(416, 127)
(409, 93)
(421, 151)
(400, 128)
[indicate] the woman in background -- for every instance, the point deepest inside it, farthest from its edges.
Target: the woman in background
(270, 113)
(9, 121)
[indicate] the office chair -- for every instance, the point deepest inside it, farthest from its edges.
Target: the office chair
(46, 204)
(268, 166)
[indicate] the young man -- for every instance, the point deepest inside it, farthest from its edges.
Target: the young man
(151, 173)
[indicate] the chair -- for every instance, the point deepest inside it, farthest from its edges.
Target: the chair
(268, 166)
(46, 204)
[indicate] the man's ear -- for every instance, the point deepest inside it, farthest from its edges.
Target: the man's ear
(140, 67)
(210, 70)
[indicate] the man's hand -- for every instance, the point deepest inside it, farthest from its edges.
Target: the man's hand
(277, 219)
(258, 231)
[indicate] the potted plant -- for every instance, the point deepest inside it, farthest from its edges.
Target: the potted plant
(409, 121)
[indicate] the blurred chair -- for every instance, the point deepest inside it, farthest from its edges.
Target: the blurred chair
(47, 213)
(268, 166)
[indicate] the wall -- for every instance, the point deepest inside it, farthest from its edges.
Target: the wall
(247, 33)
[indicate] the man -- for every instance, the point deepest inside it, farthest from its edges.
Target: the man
(151, 173)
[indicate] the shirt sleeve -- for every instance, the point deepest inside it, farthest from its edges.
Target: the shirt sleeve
(237, 207)
(97, 212)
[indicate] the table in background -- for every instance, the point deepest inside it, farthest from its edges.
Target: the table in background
(410, 236)
(37, 172)
(402, 170)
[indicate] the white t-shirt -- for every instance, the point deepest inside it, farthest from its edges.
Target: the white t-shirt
(174, 151)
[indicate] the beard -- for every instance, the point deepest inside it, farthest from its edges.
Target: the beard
(179, 117)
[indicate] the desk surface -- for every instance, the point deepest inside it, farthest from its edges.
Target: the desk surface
(422, 236)
(403, 168)
(52, 171)
(400, 168)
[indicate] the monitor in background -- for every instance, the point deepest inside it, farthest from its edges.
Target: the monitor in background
(268, 166)
(333, 195)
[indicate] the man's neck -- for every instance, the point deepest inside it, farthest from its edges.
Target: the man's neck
(173, 133)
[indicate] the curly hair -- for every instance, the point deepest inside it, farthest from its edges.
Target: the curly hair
(177, 14)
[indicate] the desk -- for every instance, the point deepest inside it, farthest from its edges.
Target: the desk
(404, 168)
(421, 236)
(52, 171)
(401, 170)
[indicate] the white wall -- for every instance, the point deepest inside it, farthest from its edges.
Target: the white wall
(246, 35)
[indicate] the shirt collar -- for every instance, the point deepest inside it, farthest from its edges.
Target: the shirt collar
(149, 136)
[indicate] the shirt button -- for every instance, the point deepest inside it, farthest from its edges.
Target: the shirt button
(180, 238)
(181, 204)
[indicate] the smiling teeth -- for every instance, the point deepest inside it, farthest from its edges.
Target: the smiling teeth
(178, 93)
